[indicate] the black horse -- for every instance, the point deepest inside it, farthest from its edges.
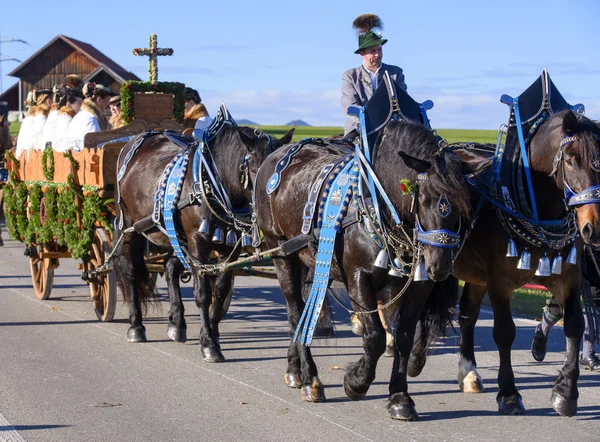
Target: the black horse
(236, 153)
(406, 151)
(561, 154)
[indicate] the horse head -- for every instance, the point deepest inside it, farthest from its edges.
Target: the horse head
(434, 195)
(575, 167)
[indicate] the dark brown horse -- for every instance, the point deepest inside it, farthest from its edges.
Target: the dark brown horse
(236, 153)
(560, 154)
(405, 151)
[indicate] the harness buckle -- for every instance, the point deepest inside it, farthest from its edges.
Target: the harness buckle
(309, 210)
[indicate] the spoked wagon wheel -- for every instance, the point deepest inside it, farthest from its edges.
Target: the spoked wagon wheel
(42, 273)
(102, 285)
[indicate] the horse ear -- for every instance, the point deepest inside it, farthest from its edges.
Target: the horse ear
(569, 124)
(248, 142)
(287, 138)
(415, 164)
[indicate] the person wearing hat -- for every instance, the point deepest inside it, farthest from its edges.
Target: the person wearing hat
(70, 101)
(43, 101)
(24, 138)
(359, 83)
(115, 112)
(91, 116)
(195, 112)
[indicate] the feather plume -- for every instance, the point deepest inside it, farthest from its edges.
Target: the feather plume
(365, 22)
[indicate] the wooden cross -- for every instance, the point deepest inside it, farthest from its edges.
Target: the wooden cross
(153, 52)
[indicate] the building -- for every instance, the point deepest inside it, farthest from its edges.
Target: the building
(60, 57)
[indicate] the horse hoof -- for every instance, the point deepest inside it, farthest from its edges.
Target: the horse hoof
(351, 393)
(471, 383)
(564, 407)
(177, 334)
(511, 404)
(356, 326)
(136, 334)
(292, 380)
(314, 392)
(211, 354)
(389, 351)
(404, 412)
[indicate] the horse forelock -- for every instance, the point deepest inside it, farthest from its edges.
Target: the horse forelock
(445, 176)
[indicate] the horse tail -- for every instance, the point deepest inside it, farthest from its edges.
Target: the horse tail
(131, 273)
(436, 315)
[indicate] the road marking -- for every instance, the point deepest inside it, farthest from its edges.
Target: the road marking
(8, 433)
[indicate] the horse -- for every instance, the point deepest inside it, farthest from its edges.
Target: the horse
(406, 151)
(236, 154)
(561, 155)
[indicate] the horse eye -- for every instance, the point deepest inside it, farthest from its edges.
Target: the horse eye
(569, 162)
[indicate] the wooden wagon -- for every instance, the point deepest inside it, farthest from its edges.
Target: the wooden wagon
(58, 203)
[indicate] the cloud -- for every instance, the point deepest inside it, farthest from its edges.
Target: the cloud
(220, 48)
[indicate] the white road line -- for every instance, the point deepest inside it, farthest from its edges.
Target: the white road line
(8, 433)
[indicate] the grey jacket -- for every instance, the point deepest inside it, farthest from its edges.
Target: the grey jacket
(357, 88)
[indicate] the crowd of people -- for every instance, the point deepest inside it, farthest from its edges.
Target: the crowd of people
(63, 115)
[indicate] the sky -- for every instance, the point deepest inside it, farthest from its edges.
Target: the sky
(276, 61)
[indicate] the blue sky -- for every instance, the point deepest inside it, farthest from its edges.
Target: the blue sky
(274, 61)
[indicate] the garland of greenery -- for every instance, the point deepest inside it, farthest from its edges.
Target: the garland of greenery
(128, 88)
(48, 171)
(8, 154)
(69, 156)
(65, 205)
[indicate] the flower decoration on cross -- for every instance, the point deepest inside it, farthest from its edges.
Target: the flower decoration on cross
(153, 52)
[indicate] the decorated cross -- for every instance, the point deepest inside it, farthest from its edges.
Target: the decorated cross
(153, 52)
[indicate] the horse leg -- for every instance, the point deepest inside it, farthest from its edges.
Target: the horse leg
(400, 405)
(385, 316)
(508, 398)
(302, 371)
(565, 393)
(360, 375)
(177, 330)
(222, 289)
(418, 354)
(129, 268)
(469, 380)
(203, 297)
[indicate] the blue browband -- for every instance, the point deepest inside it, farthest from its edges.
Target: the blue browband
(591, 195)
(444, 239)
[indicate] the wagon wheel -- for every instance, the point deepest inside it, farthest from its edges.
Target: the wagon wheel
(102, 287)
(42, 273)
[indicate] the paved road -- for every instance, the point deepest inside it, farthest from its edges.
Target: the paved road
(64, 376)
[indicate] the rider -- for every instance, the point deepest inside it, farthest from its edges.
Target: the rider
(552, 313)
(359, 83)
(91, 116)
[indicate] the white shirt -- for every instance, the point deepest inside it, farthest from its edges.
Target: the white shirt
(201, 125)
(48, 131)
(373, 76)
(35, 137)
(84, 122)
(59, 142)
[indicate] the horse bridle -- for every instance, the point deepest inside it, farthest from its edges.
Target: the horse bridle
(445, 239)
(590, 195)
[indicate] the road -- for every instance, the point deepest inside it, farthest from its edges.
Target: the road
(64, 376)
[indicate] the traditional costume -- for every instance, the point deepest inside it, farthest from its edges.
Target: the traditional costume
(63, 121)
(359, 83)
(24, 137)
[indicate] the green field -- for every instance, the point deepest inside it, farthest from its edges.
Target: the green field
(14, 129)
(451, 135)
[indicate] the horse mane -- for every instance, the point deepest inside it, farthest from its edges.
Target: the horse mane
(445, 176)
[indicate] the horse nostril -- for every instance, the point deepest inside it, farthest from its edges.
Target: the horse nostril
(588, 230)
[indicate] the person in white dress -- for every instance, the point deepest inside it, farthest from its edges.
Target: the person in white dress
(91, 116)
(24, 137)
(48, 131)
(43, 100)
(70, 102)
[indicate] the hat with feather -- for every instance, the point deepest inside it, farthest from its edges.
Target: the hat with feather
(366, 25)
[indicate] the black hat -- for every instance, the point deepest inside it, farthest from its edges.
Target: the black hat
(192, 94)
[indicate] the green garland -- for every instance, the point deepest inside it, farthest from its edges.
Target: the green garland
(34, 225)
(46, 233)
(69, 156)
(8, 154)
(128, 88)
(48, 172)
